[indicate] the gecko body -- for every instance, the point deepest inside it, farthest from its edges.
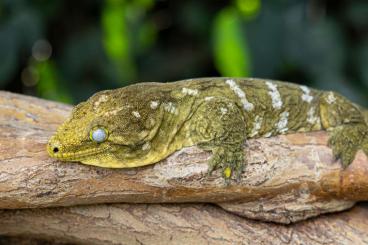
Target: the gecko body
(144, 123)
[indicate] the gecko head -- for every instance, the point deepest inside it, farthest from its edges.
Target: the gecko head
(113, 128)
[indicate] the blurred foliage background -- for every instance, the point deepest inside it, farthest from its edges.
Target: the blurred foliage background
(66, 50)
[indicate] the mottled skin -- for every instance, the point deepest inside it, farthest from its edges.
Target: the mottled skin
(146, 122)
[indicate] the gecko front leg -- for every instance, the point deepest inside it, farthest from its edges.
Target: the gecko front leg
(346, 140)
(218, 125)
(347, 126)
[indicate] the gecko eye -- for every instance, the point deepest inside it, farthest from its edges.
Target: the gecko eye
(98, 135)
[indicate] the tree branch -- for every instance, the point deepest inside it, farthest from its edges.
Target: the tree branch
(177, 224)
(288, 178)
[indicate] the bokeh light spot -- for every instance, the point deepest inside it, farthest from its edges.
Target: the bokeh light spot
(41, 50)
(29, 76)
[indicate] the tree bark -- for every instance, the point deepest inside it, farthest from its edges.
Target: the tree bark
(182, 224)
(288, 178)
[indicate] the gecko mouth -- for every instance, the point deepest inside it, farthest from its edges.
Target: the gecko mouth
(74, 156)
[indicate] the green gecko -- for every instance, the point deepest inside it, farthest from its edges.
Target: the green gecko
(144, 123)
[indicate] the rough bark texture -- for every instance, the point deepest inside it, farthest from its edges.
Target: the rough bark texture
(178, 224)
(289, 177)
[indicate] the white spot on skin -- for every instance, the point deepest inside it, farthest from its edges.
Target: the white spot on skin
(189, 91)
(311, 117)
(234, 87)
(267, 135)
(306, 94)
(154, 104)
(113, 112)
(330, 98)
(223, 110)
(103, 98)
(281, 125)
(209, 98)
(170, 107)
(136, 114)
(257, 124)
(275, 95)
(146, 146)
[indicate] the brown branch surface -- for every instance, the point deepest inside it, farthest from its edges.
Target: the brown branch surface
(288, 178)
(182, 224)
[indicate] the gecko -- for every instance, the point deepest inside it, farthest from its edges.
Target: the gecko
(144, 123)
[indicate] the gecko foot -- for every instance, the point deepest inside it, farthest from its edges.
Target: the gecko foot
(230, 160)
(346, 140)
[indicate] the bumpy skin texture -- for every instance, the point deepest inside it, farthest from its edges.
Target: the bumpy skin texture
(146, 122)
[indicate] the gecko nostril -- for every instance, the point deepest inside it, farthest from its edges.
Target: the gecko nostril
(55, 150)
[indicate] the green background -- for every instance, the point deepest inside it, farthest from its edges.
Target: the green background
(67, 50)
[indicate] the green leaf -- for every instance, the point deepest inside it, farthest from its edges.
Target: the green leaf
(116, 37)
(230, 45)
(49, 85)
(249, 8)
